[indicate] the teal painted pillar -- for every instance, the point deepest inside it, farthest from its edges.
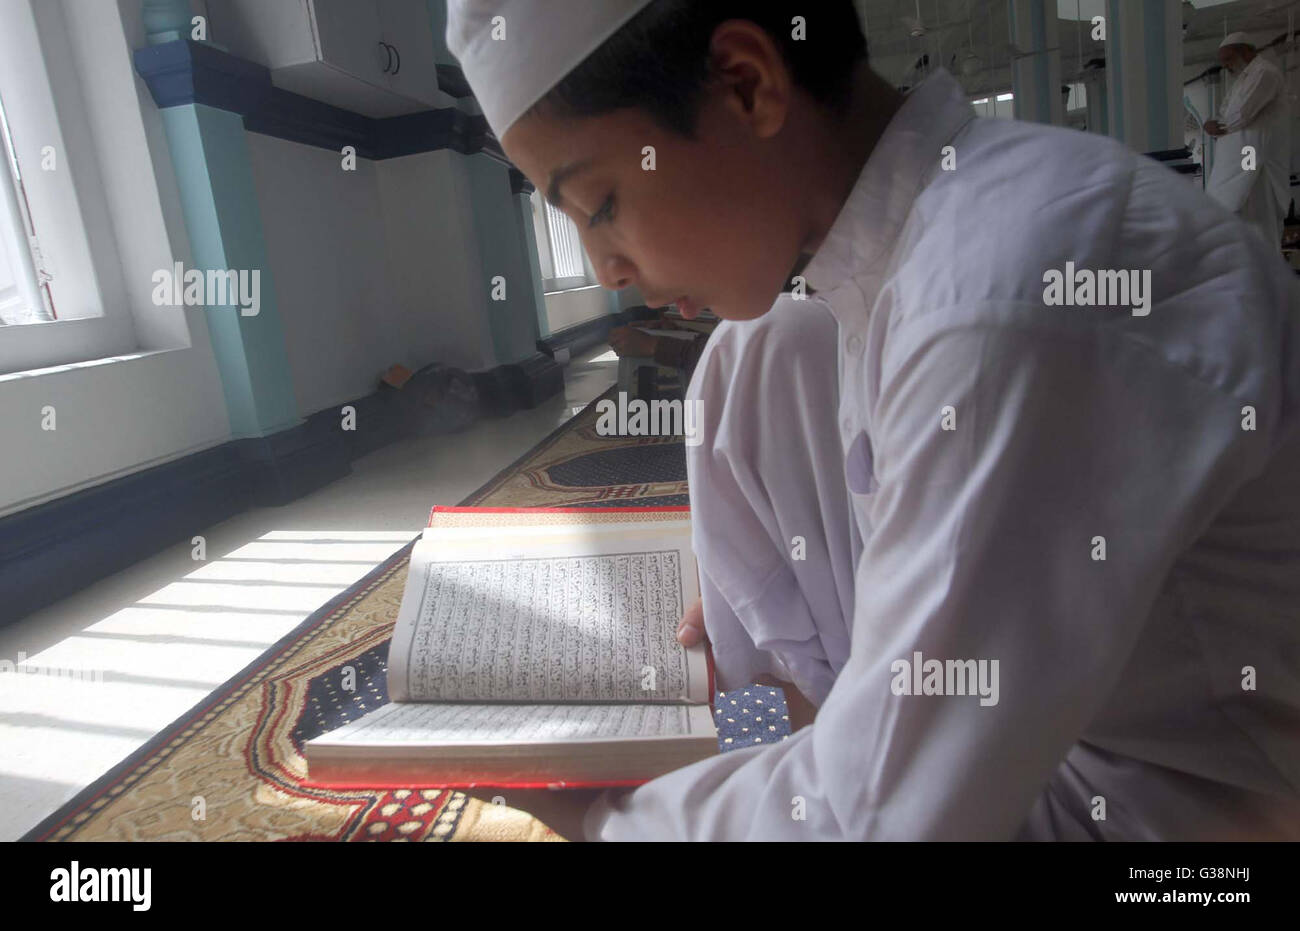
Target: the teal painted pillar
(166, 20)
(1144, 80)
(438, 19)
(1036, 66)
(1097, 109)
(506, 239)
(218, 198)
(499, 230)
(524, 222)
(1207, 153)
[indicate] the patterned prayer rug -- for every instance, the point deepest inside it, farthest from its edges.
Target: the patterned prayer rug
(239, 751)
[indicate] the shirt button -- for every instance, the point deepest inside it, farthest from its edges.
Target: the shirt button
(854, 345)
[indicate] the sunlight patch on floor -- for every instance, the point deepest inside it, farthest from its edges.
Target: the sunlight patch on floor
(85, 703)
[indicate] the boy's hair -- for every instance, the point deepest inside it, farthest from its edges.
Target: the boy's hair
(659, 60)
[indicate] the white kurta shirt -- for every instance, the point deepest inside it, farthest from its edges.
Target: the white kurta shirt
(772, 524)
(1254, 114)
(1159, 686)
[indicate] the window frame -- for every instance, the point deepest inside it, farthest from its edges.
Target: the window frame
(990, 105)
(68, 205)
(546, 259)
(16, 239)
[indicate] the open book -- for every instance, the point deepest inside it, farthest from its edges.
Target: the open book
(536, 647)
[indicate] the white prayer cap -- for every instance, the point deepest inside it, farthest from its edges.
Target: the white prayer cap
(1237, 38)
(543, 42)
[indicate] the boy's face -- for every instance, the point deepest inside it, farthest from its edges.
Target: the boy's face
(714, 221)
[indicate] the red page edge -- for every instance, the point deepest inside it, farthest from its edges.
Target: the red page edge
(460, 510)
(367, 786)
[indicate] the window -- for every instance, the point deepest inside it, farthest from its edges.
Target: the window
(62, 297)
(559, 248)
(24, 291)
(1078, 99)
(1000, 106)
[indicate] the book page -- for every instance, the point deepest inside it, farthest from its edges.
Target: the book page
(432, 724)
(548, 614)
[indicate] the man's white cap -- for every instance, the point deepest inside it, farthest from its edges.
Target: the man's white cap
(543, 42)
(1237, 38)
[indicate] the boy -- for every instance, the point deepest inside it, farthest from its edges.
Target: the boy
(1069, 408)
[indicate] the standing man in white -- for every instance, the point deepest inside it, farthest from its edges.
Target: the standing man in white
(1252, 157)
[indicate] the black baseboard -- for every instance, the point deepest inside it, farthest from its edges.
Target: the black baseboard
(54, 549)
(518, 385)
(582, 336)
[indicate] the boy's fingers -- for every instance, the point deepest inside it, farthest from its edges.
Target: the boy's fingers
(688, 636)
(690, 630)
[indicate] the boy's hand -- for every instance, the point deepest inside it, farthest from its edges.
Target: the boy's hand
(690, 629)
(629, 341)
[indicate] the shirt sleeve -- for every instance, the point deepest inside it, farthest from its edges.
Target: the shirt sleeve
(753, 489)
(986, 547)
(737, 660)
(1260, 89)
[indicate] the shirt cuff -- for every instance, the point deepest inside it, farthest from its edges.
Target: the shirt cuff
(598, 811)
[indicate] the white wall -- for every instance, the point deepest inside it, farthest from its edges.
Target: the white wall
(372, 266)
(567, 308)
(325, 242)
(434, 259)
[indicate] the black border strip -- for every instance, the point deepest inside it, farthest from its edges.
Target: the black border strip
(184, 72)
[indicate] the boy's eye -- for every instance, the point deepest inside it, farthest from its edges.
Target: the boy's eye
(606, 209)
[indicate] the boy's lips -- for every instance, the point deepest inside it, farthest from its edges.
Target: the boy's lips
(684, 304)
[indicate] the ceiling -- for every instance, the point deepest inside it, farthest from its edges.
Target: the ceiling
(970, 37)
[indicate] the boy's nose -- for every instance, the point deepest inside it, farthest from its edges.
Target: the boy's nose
(613, 278)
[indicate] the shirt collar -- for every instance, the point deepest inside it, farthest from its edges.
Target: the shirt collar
(870, 220)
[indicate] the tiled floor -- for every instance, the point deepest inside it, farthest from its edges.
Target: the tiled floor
(139, 648)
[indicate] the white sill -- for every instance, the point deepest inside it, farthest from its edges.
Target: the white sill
(89, 363)
(585, 287)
